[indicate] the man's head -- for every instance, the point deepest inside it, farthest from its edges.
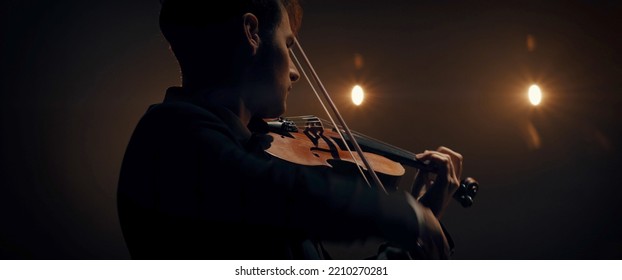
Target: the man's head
(211, 41)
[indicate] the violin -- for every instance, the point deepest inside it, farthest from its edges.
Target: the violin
(309, 140)
(304, 140)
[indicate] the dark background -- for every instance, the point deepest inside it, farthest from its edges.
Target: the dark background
(77, 75)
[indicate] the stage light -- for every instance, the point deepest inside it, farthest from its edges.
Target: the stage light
(357, 95)
(535, 95)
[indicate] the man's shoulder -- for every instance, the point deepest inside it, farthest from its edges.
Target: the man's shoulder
(178, 109)
(180, 113)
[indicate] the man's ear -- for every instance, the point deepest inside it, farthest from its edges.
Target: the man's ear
(251, 31)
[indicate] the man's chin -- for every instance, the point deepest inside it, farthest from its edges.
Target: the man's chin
(281, 110)
(277, 112)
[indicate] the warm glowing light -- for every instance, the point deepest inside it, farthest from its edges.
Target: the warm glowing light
(357, 95)
(535, 95)
(531, 42)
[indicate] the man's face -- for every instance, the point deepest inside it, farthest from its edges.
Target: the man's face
(274, 72)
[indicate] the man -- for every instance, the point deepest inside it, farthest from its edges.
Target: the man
(196, 182)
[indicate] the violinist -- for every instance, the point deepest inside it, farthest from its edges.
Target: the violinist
(196, 182)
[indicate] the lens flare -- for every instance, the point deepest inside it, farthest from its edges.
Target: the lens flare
(535, 95)
(357, 95)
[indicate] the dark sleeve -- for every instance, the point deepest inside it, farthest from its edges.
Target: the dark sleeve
(391, 251)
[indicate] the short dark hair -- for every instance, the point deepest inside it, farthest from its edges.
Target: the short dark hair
(199, 13)
(204, 37)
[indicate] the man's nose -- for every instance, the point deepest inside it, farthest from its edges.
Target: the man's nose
(294, 76)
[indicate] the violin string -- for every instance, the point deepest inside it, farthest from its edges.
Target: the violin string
(316, 78)
(397, 150)
(304, 73)
(385, 146)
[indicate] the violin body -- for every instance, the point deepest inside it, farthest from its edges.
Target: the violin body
(315, 148)
(311, 144)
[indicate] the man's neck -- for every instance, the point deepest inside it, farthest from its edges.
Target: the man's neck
(225, 97)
